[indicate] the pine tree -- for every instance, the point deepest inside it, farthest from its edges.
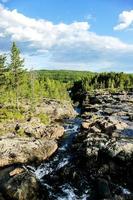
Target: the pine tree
(32, 89)
(2, 77)
(16, 71)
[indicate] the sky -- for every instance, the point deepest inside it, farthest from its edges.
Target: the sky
(92, 35)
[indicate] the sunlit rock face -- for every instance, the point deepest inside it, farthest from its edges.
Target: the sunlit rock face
(25, 150)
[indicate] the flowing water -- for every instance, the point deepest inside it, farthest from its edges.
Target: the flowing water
(48, 172)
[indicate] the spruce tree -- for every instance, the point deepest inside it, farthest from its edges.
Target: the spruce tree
(2, 70)
(16, 71)
(2, 77)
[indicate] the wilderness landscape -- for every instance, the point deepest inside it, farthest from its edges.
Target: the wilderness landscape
(66, 127)
(64, 131)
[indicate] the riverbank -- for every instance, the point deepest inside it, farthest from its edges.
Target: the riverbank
(29, 141)
(104, 145)
(100, 157)
(92, 160)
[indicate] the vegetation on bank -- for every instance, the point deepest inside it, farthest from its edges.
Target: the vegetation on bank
(20, 87)
(112, 82)
(79, 82)
(65, 76)
(90, 80)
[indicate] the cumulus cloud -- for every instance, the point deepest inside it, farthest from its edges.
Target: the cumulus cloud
(41, 33)
(45, 35)
(125, 20)
(61, 44)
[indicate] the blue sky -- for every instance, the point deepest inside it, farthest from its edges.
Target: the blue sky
(94, 35)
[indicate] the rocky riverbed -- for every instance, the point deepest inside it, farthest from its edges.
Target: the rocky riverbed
(93, 160)
(37, 143)
(105, 145)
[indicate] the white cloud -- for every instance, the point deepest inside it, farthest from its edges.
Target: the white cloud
(125, 20)
(2, 35)
(44, 34)
(61, 44)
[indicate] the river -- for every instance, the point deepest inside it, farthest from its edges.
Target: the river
(49, 174)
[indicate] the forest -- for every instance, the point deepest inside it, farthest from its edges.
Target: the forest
(38, 109)
(18, 84)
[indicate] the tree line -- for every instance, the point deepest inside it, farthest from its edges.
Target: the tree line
(112, 82)
(18, 85)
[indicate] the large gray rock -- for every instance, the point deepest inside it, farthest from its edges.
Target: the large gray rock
(25, 150)
(122, 149)
(56, 109)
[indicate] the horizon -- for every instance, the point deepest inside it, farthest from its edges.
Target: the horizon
(71, 70)
(84, 36)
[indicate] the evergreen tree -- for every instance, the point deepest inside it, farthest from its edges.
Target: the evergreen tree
(2, 70)
(16, 69)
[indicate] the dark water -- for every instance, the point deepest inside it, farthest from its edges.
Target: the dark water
(62, 158)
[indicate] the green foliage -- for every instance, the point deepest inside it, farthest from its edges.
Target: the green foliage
(20, 87)
(65, 76)
(112, 80)
(44, 118)
(10, 114)
(102, 81)
(16, 71)
(2, 70)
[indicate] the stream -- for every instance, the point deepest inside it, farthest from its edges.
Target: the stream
(48, 173)
(57, 174)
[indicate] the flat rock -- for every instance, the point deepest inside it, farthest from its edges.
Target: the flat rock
(122, 149)
(25, 150)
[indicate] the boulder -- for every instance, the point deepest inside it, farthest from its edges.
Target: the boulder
(119, 125)
(54, 131)
(25, 150)
(108, 111)
(56, 109)
(122, 149)
(103, 189)
(23, 186)
(86, 124)
(95, 100)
